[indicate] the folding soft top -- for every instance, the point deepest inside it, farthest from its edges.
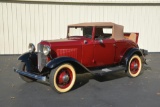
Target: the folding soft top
(117, 32)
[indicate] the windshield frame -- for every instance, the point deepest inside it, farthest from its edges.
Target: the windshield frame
(92, 32)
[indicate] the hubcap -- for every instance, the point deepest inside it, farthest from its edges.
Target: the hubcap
(64, 78)
(134, 66)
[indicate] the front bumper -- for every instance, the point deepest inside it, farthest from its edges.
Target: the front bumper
(31, 75)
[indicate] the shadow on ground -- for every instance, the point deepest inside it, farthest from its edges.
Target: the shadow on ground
(83, 79)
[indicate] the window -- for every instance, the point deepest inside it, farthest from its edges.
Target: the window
(107, 30)
(74, 31)
(103, 32)
(80, 31)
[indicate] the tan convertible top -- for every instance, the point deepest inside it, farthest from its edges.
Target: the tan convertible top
(117, 31)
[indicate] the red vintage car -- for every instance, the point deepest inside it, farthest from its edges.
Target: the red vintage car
(96, 47)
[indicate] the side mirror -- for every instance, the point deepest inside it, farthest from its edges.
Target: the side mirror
(101, 41)
(85, 42)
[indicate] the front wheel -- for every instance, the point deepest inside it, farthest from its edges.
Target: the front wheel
(62, 78)
(134, 66)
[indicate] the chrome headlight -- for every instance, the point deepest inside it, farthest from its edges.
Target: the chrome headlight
(31, 47)
(46, 50)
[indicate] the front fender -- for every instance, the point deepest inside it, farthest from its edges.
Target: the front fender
(129, 53)
(61, 60)
(25, 56)
(30, 59)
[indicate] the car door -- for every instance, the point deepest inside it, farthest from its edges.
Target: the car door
(104, 49)
(87, 53)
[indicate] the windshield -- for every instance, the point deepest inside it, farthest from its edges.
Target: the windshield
(80, 31)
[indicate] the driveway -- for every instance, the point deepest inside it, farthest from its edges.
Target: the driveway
(113, 90)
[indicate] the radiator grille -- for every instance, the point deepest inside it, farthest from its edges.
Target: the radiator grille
(41, 58)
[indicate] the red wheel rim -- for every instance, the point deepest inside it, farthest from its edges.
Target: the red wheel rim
(64, 78)
(134, 66)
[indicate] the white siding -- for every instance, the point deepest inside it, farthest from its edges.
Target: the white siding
(95, 1)
(22, 23)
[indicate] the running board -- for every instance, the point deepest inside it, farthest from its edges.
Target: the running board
(104, 71)
(28, 74)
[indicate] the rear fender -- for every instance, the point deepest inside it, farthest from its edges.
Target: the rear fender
(129, 53)
(79, 68)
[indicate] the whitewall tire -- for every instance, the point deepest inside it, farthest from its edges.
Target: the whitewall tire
(63, 78)
(134, 66)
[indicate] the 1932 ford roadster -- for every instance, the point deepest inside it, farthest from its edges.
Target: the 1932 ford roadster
(97, 47)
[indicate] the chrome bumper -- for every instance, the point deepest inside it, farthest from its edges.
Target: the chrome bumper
(37, 77)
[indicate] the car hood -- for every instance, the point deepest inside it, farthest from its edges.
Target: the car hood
(64, 42)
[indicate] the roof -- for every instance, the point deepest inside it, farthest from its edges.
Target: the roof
(117, 31)
(93, 24)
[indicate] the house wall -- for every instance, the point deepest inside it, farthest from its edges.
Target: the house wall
(23, 22)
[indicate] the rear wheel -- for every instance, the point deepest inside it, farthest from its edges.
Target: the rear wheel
(23, 68)
(134, 66)
(62, 78)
